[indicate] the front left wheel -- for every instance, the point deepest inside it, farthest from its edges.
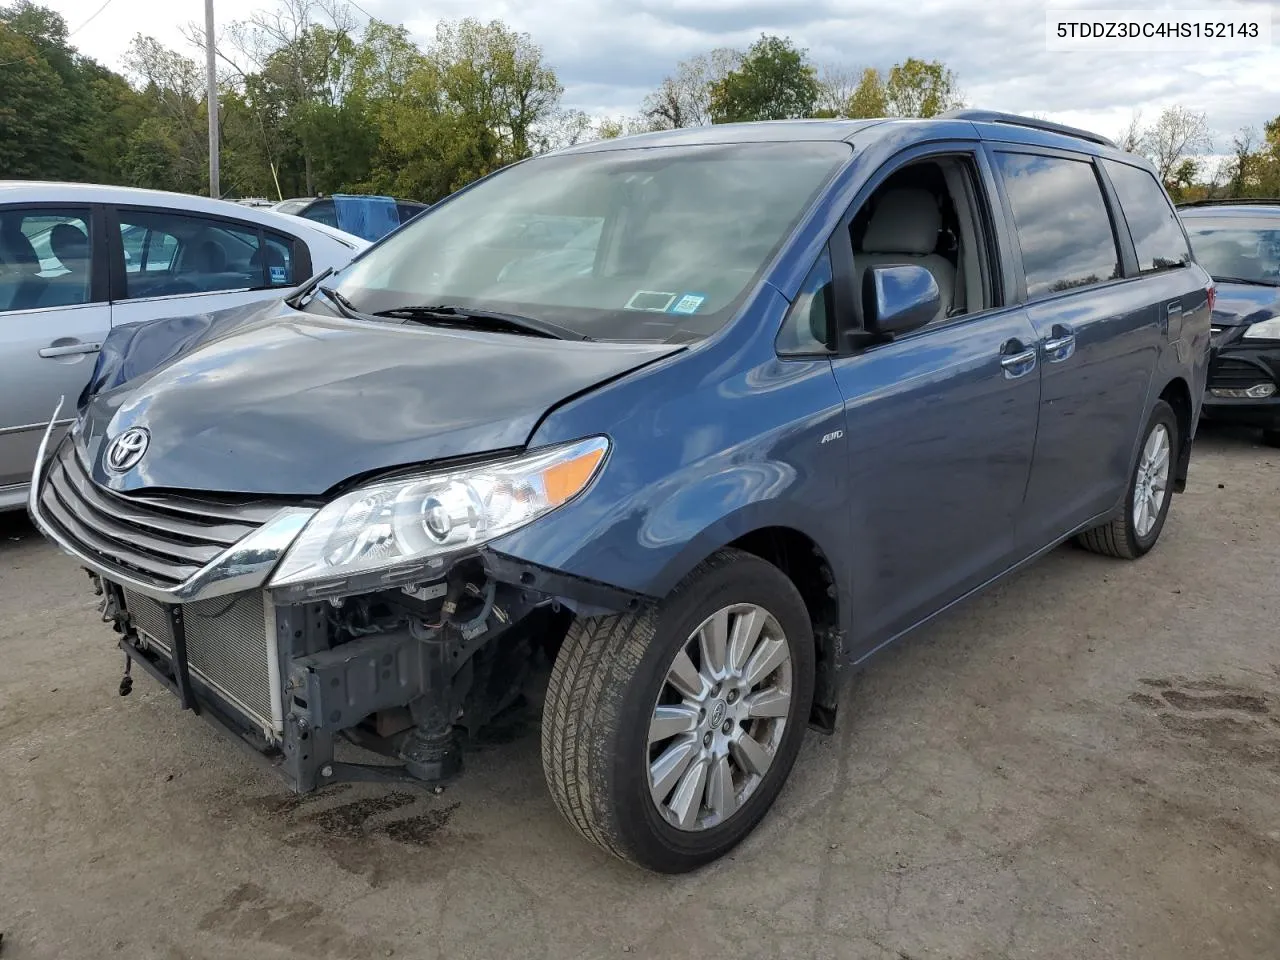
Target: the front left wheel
(667, 734)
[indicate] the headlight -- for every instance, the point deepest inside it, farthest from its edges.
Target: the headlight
(1265, 330)
(417, 518)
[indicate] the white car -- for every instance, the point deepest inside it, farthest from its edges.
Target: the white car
(79, 259)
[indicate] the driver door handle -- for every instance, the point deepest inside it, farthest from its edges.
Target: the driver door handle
(1017, 359)
(70, 349)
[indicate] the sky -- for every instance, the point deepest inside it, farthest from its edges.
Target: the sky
(610, 53)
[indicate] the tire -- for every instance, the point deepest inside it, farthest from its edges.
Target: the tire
(1271, 437)
(605, 690)
(1122, 537)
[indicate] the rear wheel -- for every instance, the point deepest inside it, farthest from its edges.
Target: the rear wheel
(668, 734)
(1136, 530)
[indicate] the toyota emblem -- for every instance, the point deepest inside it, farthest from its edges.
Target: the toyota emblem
(124, 452)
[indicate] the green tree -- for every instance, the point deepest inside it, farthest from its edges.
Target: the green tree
(37, 137)
(62, 116)
(683, 99)
(774, 81)
(920, 88)
(869, 98)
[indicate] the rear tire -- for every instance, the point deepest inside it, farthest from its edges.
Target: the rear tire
(1135, 531)
(604, 743)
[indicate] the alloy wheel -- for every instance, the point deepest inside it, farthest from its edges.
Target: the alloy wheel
(1151, 485)
(719, 717)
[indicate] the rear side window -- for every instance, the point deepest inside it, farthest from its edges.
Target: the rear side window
(1064, 230)
(170, 254)
(1153, 225)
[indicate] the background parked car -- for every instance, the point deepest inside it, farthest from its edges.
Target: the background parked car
(371, 217)
(1238, 242)
(78, 259)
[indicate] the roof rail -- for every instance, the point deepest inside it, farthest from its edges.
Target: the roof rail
(1233, 201)
(1017, 120)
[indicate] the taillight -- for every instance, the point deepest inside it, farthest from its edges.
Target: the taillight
(1212, 292)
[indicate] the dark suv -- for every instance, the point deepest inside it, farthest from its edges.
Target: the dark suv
(1238, 242)
(703, 416)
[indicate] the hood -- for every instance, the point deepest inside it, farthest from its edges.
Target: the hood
(1238, 304)
(280, 402)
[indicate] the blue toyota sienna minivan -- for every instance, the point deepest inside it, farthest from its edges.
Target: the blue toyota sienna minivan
(699, 417)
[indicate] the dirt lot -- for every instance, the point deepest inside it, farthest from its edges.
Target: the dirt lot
(1083, 763)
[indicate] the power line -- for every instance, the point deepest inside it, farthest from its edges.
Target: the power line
(32, 56)
(90, 20)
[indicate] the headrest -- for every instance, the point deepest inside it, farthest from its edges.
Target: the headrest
(68, 243)
(906, 220)
(16, 249)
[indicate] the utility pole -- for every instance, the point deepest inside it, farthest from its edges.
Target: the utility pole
(211, 79)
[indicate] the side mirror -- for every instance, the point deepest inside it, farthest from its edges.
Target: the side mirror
(898, 299)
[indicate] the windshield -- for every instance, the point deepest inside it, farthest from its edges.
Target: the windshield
(1237, 248)
(639, 244)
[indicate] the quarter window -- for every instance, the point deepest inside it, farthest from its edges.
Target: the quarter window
(1064, 230)
(1157, 237)
(807, 328)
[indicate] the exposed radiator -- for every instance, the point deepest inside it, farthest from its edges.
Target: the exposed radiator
(229, 648)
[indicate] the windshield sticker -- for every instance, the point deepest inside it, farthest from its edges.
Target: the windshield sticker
(653, 301)
(689, 303)
(279, 275)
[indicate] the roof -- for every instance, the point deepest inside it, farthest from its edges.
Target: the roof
(1243, 207)
(984, 124)
(48, 191)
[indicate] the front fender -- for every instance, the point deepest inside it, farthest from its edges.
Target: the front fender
(707, 446)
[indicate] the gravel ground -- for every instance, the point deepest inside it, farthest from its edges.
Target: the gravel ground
(1082, 763)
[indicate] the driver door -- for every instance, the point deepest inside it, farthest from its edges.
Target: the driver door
(940, 420)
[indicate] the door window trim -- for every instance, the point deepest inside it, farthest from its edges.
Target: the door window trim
(118, 277)
(840, 243)
(99, 265)
(1128, 232)
(1126, 258)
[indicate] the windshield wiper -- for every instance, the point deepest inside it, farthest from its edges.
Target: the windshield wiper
(295, 300)
(345, 306)
(1257, 280)
(453, 314)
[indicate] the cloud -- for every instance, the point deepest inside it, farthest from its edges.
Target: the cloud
(609, 53)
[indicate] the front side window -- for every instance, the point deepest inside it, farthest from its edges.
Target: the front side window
(170, 254)
(1157, 238)
(1237, 248)
(641, 244)
(807, 329)
(1064, 230)
(45, 259)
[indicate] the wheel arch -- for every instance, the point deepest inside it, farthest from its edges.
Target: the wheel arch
(818, 574)
(1177, 394)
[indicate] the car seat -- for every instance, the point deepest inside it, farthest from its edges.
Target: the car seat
(21, 276)
(903, 229)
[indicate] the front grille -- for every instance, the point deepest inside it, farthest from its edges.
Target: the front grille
(1229, 374)
(229, 647)
(159, 539)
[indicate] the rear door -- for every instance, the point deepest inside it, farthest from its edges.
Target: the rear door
(1097, 329)
(168, 263)
(53, 318)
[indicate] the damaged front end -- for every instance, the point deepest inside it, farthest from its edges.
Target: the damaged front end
(381, 617)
